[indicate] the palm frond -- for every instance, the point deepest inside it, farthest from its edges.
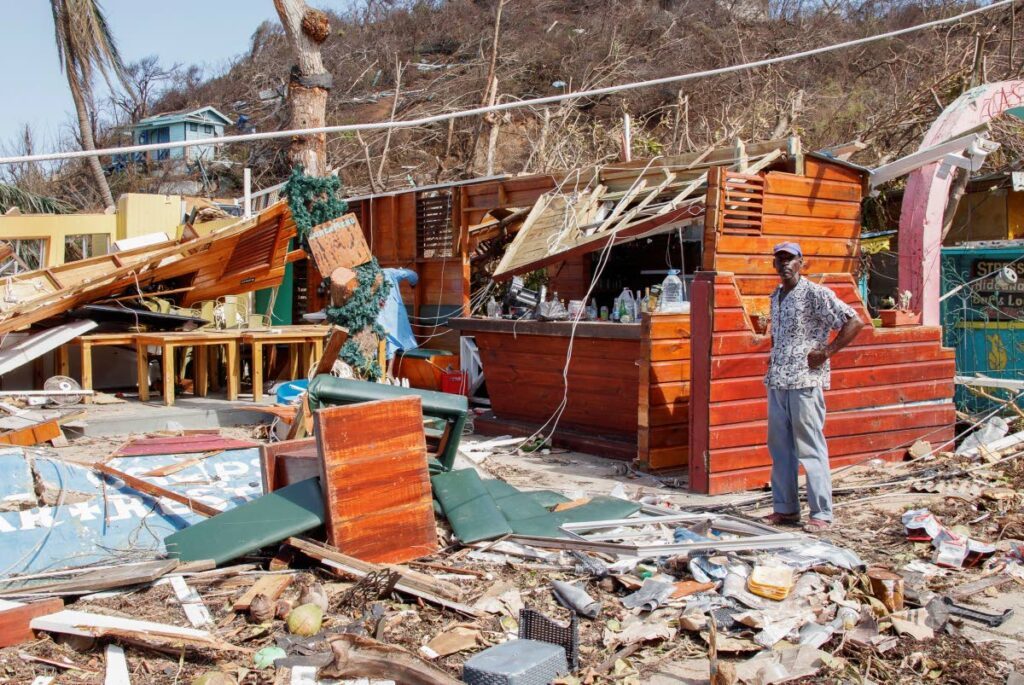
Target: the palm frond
(13, 196)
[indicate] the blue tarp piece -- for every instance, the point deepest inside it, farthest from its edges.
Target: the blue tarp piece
(79, 533)
(394, 317)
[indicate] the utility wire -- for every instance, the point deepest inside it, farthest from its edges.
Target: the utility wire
(551, 99)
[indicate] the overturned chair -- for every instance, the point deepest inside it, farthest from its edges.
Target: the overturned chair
(328, 391)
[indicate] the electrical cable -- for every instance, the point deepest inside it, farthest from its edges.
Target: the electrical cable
(505, 106)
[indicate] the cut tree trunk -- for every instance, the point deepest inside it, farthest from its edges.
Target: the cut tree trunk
(306, 29)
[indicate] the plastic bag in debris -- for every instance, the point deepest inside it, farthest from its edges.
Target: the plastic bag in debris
(804, 556)
(651, 595)
(686, 535)
(706, 571)
(990, 431)
(951, 549)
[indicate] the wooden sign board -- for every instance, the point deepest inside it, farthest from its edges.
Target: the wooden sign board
(339, 242)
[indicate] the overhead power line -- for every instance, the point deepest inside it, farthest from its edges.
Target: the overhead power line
(460, 114)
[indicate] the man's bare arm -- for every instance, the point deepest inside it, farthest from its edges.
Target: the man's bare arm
(849, 331)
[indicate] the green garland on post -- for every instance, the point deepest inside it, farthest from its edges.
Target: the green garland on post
(313, 200)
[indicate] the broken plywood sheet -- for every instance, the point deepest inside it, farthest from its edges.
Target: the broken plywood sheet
(34, 346)
(624, 202)
(82, 528)
(184, 444)
(376, 485)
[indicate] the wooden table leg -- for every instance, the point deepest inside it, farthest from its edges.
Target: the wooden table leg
(233, 370)
(86, 352)
(215, 368)
(142, 368)
(257, 370)
(60, 357)
(202, 365)
(318, 352)
(294, 352)
(167, 364)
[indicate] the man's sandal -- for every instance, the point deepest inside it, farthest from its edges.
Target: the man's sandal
(778, 519)
(817, 526)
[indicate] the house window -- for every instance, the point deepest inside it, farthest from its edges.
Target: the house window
(207, 128)
(31, 251)
(193, 127)
(85, 245)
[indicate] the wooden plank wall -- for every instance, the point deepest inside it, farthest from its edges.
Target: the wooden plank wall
(663, 419)
(820, 210)
(889, 388)
(524, 377)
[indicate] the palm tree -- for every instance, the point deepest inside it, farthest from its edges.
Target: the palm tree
(85, 46)
(13, 196)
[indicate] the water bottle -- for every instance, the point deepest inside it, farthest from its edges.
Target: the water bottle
(671, 299)
(492, 308)
(627, 313)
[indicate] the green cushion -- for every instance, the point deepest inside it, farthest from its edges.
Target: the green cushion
(425, 353)
(266, 520)
(599, 508)
(469, 507)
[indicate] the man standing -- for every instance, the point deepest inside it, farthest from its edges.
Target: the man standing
(803, 315)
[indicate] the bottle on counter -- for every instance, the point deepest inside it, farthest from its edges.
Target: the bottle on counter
(671, 293)
(604, 313)
(592, 310)
(614, 314)
(493, 311)
(627, 306)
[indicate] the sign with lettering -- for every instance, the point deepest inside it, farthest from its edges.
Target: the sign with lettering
(339, 242)
(89, 526)
(994, 297)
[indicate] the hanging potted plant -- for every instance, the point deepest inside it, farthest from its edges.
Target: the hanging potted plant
(900, 315)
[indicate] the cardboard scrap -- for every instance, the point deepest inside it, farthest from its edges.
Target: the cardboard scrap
(501, 598)
(458, 639)
(912, 622)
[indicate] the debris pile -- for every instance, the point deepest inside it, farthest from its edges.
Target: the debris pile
(296, 582)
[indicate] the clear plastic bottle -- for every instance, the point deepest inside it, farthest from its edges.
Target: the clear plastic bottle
(614, 314)
(492, 308)
(592, 310)
(627, 304)
(671, 299)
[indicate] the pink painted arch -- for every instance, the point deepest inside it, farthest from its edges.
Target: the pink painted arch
(924, 202)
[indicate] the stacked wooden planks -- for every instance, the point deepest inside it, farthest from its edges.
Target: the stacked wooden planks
(524, 378)
(890, 387)
(663, 414)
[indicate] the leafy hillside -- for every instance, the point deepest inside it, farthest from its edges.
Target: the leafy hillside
(436, 55)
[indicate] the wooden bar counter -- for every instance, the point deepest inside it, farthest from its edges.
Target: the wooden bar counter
(609, 382)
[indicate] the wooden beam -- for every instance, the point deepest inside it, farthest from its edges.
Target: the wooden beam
(155, 490)
(15, 618)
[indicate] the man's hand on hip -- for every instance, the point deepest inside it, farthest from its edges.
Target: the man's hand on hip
(815, 358)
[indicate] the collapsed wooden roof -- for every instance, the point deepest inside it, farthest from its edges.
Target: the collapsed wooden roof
(627, 201)
(246, 255)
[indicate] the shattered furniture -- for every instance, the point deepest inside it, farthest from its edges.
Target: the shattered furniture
(326, 391)
(373, 474)
(305, 344)
(424, 367)
(244, 256)
(86, 344)
(199, 341)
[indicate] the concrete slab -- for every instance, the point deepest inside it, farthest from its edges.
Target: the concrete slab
(187, 413)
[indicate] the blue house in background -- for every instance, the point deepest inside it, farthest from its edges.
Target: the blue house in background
(170, 127)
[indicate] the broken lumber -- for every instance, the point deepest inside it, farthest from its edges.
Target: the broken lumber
(15, 618)
(170, 469)
(410, 582)
(155, 490)
(191, 603)
(98, 580)
(183, 444)
(148, 633)
(363, 657)
(116, 667)
(271, 586)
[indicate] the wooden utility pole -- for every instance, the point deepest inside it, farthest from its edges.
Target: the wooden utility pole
(309, 84)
